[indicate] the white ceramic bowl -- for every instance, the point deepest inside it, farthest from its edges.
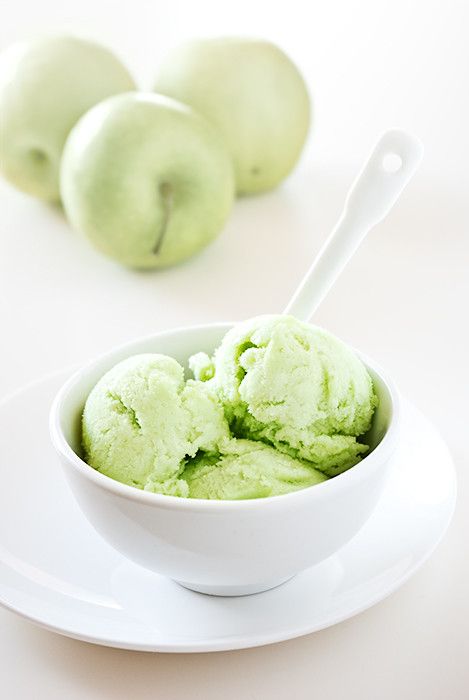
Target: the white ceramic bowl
(220, 547)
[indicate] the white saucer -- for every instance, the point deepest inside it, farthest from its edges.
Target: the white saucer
(56, 571)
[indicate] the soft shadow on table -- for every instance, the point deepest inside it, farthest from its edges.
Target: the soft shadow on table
(352, 649)
(398, 644)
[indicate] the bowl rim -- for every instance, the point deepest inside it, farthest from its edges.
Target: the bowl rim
(324, 489)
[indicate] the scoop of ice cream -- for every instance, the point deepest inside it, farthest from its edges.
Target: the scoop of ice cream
(142, 420)
(202, 366)
(208, 425)
(247, 469)
(296, 387)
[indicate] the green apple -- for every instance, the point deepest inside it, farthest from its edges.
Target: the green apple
(45, 87)
(252, 92)
(147, 179)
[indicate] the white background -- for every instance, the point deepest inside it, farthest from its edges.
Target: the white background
(403, 300)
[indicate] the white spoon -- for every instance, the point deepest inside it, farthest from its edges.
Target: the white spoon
(391, 165)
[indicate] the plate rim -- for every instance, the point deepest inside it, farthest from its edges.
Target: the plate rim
(234, 643)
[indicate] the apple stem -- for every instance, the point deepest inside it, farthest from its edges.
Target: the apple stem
(166, 193)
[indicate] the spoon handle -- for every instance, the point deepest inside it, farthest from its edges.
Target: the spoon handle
(391, 165)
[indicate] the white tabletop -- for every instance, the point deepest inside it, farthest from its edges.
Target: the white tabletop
(403, 301)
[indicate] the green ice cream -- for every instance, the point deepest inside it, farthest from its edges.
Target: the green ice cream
(296, 387)
(282, 405)
(248, 469)
(142, 420)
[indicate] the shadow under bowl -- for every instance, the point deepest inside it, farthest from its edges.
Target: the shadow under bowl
(221, 547)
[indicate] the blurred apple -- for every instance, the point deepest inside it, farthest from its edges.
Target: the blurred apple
(45, 87)
(147, 179)
(252, 92)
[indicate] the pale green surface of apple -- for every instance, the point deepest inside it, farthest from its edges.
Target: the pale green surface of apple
(45, 87)
(146, 179)
(254, 95)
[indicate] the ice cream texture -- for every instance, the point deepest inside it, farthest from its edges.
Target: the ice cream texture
(282, 405)
(142, 420)
(297, 387)
(248, 469)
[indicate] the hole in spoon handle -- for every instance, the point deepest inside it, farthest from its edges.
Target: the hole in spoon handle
(389, 168)
(392, 163)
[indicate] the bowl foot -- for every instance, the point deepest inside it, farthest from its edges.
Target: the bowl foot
(235, 590)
